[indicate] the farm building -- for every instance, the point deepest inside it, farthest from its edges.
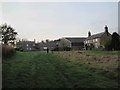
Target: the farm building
(72, 42)
(98, 40)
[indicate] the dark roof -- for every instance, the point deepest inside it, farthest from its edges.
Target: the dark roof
(56, 40)
(25, 42)
(76, 40)
(95, 36)
(50, 43)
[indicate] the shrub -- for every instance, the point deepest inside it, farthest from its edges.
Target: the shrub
(66, 48)
(7, 51)
(62, 49)
(55, 49)
(19, 49)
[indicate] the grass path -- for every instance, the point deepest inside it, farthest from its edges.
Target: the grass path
(41, 70)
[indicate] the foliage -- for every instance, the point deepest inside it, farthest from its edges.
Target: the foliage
(66, 48)
(8, 34)
(115, 42)
(56, 49)
(19, 49)
(106, 42)
(7, 51)
(62, 48)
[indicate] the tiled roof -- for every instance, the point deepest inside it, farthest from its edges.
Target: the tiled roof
(25, 42)
(95, 36)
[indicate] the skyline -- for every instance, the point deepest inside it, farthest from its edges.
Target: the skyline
(53, 20)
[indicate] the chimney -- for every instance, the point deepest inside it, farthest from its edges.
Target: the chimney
(34, 40)
(106, 29)
(89, 34)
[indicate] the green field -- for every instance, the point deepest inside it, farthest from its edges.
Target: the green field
(42, 70)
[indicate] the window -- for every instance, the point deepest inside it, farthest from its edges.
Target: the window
(27, 45)
(96, 39)
(88, 41)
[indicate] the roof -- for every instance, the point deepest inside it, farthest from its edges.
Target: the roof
(26, 42)
(50, 43)
(95, 36)
(76, 40)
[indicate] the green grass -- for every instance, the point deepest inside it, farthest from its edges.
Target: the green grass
(41, 70)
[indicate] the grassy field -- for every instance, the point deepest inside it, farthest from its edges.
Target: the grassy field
(103, 60)
(42, 70)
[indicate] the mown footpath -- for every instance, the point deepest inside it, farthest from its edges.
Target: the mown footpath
(42, 70)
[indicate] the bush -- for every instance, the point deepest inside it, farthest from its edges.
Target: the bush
(55, 49)
(7, 51)
(19, 49)
(66, 48)
(61, 49)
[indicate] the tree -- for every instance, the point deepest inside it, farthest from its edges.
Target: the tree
(47, 40)
(42, 41)
(8, 34)
(115, 42)
(106, 42)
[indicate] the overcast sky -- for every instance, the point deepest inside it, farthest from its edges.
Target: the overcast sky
(53, 20)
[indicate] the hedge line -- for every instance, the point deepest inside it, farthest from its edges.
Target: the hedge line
(7, 51)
